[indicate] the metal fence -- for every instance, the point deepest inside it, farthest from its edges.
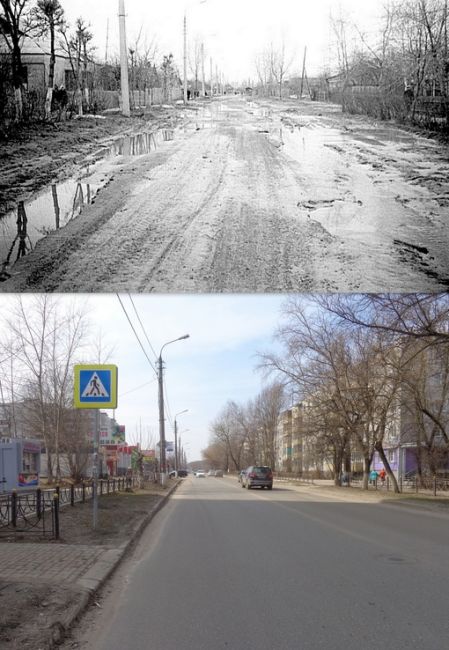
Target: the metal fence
(37, 511)
(430, 485)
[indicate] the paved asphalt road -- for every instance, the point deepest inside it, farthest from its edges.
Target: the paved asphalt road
(223, 567)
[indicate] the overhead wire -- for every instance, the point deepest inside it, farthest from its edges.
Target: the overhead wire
(141, 325)
(136, 335)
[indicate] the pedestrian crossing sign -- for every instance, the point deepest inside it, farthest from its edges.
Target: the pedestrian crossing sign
(95, 386)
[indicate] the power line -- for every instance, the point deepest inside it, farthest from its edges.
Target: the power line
(141, 325)
(136, 335)
(138, 387)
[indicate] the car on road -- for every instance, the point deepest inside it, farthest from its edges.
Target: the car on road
(219, 473)
(211, 472)
(200, 473)
(258, 476)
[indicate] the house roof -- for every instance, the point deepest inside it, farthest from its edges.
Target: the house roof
(35, 47)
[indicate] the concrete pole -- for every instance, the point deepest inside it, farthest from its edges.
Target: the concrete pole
(161, 420)
(123, 61)
(203, 80)
(185, 59)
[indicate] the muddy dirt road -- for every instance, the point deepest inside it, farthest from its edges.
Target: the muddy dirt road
(246, 197)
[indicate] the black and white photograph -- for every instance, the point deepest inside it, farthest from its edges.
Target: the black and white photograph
(209, 146)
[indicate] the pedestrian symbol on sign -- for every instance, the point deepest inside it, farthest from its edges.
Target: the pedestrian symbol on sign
(95, 388)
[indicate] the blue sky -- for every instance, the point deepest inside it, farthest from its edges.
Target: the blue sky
(202, 373)
(216, 364)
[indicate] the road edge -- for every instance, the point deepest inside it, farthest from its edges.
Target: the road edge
(99, 573)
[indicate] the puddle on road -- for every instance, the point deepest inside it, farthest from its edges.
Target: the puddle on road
(59, 203)
(53, 209)
(369, 206)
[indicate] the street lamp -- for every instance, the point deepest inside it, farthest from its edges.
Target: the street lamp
(161, 408)
(176, 440)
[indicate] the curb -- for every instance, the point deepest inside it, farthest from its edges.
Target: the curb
(98, 574)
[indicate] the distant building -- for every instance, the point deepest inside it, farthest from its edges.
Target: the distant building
(35, 56)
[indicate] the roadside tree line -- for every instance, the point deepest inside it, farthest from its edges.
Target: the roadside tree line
(245, 434)
(401, 68)
(370, 371)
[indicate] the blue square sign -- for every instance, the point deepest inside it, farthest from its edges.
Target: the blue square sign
(95, 386)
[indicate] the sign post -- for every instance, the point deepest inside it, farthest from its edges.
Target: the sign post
(95, 388)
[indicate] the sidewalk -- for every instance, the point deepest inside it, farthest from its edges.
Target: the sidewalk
(46, 585)
(327, 488)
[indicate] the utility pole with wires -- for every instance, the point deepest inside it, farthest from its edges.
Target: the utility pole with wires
(160, 376)
(124, 83)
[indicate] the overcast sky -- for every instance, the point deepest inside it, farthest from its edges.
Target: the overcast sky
(233, 31)
(217, 363)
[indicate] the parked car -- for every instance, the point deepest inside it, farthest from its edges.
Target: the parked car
(219, 473)
(200, 473)
(182, 473)
(258, 476)
(211, 472)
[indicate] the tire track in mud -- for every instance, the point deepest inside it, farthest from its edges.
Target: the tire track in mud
(177, 240)
(264, 244)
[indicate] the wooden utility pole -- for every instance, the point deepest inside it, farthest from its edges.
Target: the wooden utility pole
(124, 83)
(303, 72)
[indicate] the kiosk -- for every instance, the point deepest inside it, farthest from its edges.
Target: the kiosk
(20, 463)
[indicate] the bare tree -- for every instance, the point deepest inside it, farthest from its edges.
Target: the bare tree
(279, 65)
(416, 316)
(49, 17)
(360, 384)
(228, 430)
(264, 72)
(15, 23)
(46, 342)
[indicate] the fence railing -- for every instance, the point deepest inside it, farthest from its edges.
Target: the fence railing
(431, 485)
(37, 511)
